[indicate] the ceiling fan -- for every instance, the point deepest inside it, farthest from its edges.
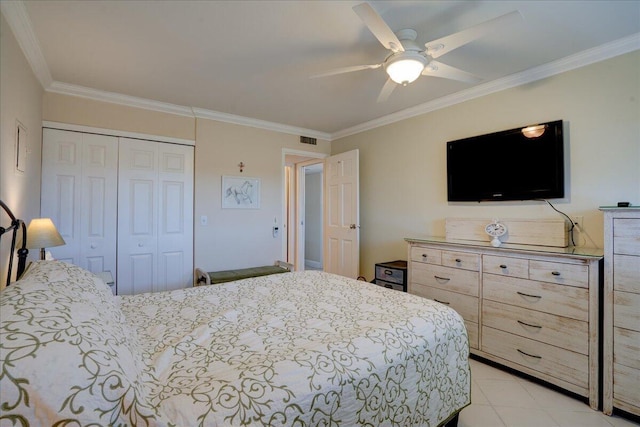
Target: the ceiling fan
(408, 60)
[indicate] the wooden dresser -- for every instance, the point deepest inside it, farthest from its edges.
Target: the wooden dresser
(531, 308)
(621, 322)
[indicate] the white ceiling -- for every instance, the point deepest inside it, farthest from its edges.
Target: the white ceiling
(253, 59)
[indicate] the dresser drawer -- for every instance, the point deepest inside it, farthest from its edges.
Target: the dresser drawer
(626, 273)
(562, 364)
(452, 279)
(466, 305)
(626, 312)
(390, 274)
(626, 347)
(389, 285)
(462, 260)
(427, 255)
(560, 273)
(505, 266)
(567, 301)
(625, 384)
(559, 331)
(626, 236)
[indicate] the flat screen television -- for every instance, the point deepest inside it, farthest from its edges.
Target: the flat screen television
(525, 163)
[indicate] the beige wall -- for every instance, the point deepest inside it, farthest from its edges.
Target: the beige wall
(403, 165)
(20, 100)
(237, 238)
(233, 238)
(87, 112)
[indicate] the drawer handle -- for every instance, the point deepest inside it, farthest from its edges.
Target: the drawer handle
(424, 256)
(445, 279)
(388, 272)
(458, 260)
(503, 266)
(441, 302)
(527, 354)
(528, 295)
(529, 324)
(555, 273)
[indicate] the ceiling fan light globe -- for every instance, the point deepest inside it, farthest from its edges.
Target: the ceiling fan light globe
(405, 70)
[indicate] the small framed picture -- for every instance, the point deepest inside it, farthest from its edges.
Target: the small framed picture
(21, 147)
(240, 192)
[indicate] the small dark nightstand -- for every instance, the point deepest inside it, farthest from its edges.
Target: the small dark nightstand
(392, 275)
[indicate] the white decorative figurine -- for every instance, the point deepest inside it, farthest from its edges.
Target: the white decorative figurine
(495, 230)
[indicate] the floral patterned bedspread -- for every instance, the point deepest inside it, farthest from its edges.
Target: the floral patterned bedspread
(295, 349)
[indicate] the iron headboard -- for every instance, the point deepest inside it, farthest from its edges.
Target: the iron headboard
(16, 224)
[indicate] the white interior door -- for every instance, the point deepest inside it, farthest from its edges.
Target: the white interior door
(61, 190)
(155, 216)
(99, 203)
(342, 216)
(79, 193)
(137, 216)
(175, 221)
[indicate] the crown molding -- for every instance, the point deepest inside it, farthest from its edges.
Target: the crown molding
(261, 124)
(16, 15)
(581, 59)
(118, 98)
(163, 107)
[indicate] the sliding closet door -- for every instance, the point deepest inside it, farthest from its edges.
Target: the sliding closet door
(155, 216)
(79, 193)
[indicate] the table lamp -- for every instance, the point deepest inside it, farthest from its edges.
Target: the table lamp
(41, 233)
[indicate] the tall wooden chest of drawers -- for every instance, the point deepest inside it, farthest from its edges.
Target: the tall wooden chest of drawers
(621, 323)
(533, 309)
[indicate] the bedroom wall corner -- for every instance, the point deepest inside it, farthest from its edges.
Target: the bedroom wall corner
(239, 238)
(20, 101)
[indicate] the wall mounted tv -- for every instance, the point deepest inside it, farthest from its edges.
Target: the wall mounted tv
(525, 163)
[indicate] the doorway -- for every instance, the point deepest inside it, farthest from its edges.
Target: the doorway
(304, 210)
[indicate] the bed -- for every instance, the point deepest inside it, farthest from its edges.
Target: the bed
(297, 349)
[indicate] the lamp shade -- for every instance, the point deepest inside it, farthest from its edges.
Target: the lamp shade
(406, 67)
(41, 233)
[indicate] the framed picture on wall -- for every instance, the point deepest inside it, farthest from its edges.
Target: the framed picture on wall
(240, 192)
(21, 147)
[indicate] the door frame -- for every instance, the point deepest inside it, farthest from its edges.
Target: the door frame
(290, 200)
(300, 211)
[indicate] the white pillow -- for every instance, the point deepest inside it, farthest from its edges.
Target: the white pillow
(67, 351)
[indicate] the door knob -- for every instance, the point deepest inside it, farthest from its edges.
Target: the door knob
(93, 246)
(140, 245)
(352, 226)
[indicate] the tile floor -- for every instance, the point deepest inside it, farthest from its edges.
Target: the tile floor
(500, 399)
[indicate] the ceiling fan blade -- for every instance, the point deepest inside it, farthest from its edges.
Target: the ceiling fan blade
(378, 27)
(388, 87)
(346, 70)
(446, 44)
(438, 69)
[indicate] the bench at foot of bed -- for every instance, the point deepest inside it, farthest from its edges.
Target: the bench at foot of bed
(215, 277)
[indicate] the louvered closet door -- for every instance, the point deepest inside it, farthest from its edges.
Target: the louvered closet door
(79, 193)
(155, 216)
